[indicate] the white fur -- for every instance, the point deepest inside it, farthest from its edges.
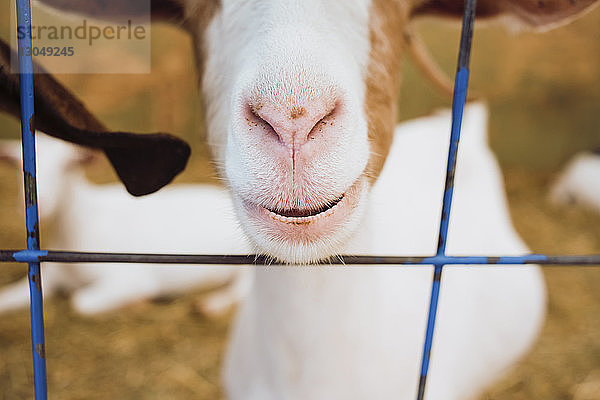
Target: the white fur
(191, 218)
(355, 333)
(579, 182)
(283, 59)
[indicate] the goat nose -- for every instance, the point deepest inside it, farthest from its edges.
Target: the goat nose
(293, 126)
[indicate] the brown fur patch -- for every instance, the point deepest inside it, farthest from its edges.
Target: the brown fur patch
(196, 21)
(387, 21)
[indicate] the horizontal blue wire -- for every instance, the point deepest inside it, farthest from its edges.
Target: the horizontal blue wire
(26, 256)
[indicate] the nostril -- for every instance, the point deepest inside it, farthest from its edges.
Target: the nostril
(293, 125)
(256, 121)
(327, 120)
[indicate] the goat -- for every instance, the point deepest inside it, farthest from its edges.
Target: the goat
(300, 106)
(579, 182)
(91, 217)
(357, 332)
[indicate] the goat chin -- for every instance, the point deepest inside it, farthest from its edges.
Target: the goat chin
(356, 332)
(300, 241)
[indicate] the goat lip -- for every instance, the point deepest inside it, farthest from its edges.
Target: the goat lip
(303, 220)
(305, 229)
(299, 215)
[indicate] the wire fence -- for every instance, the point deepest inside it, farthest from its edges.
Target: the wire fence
(33, 255)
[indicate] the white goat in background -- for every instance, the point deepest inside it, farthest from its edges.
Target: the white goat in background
(579, 182)
(356, 333)
(91, 217)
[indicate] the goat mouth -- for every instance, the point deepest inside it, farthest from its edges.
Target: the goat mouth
(307, 213)
(305, 224)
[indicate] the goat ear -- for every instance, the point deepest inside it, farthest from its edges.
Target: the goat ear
(144, 162)
(118, 10)
(533, 13)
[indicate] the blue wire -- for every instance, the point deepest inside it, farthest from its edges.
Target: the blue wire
(31, 209)
(458, 104)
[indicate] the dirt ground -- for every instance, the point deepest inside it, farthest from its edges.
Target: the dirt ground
(544, 96)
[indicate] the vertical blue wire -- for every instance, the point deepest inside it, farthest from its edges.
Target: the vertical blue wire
(458, 103)
(31, 209)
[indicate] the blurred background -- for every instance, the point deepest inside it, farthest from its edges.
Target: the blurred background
(544, 96)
